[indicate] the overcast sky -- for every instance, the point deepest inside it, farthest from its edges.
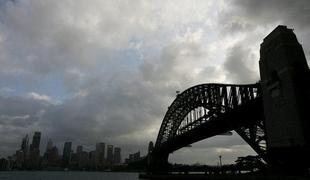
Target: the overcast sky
(92, 71)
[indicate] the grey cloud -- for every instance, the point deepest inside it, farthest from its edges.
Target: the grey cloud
(243, 15)
(250, 17)
(238, 65)
(18, 116)
(289, 12)
(110, 98)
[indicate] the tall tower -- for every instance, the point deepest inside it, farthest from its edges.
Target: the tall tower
(49, 145)
(35, 145)
(284, 80)
(36, 140)
(99, 154)
(66, 156)
(79, 149)
(25, 145)
(34, 152)
(117, 155)
(110, 153)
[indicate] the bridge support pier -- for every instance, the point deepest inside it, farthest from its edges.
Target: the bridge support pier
(158, 163)
(290, 161)
(284, 83)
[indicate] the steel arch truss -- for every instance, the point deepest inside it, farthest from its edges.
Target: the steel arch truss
(205, 103)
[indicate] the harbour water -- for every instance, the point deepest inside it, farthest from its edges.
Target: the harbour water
(66, 175)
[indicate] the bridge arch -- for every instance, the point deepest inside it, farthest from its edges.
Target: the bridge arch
(207, 110)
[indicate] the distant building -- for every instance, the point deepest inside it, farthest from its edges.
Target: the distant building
(49, 145)
(36, 141)
(33, 161)
(79, 149)
(110, 153)
(100, 151)
(92, 159)
(25, 145)
(83, 160)
(25, 150)
(78, 156)
(19, 161)
(136, 156)
(117, 155)
(133, 157)
(66, 156)
(127, 161)
(53, 157)
(4, 163)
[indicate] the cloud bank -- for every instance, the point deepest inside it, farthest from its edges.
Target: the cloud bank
(106, 71)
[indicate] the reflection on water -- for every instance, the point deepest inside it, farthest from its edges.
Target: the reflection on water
(70, 175)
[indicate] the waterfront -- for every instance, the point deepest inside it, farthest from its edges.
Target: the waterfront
(66, 175)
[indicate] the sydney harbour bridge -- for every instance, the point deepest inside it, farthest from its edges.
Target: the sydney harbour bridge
(272, 115)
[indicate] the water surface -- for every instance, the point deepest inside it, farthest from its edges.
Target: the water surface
(68, 175)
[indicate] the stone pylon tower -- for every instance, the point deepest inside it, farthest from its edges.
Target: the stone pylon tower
(284, 81)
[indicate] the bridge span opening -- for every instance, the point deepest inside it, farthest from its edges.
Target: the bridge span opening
(208, 151)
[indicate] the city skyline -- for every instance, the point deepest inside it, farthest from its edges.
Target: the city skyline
(28, 156)
(26, 141)
(49, 144)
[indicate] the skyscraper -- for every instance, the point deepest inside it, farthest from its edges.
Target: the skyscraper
(36, 141)
(34, 152)
(49, 145)
(79, 149)
(79, 152)
(25, 145)
(99, 157)
(92, 159)
(110, 153)
(117, 155)
(66, 153)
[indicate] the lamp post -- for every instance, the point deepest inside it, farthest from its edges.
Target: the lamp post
(220, 157)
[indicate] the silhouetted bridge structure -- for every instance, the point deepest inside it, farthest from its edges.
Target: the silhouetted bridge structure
(272, 115)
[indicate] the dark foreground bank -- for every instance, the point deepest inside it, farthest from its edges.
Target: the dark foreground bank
(219, 177)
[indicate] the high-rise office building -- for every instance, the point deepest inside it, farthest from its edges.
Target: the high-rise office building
(83, 160)
(110, 153)
(25, 145)
(34, 151)
(117, 155)
(100, 150)
(49, 145)
(36, 141)
(136, 156)
(66, 156)
(53, 157)
(92, 159)
(79, 149)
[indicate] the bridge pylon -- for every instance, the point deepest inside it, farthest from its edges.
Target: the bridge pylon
(157, 162)
(286, 96)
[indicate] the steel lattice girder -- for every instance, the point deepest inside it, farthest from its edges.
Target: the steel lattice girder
(225, 105)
